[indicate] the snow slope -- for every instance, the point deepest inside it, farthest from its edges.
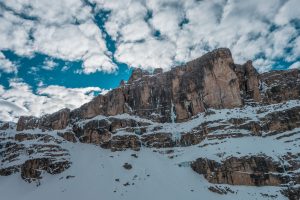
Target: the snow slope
(154, 176)
(164, 173)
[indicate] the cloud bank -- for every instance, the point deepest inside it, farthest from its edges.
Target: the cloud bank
(139, 33)
(150, 34)
(19, 99)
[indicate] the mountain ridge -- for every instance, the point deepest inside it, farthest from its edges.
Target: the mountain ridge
(224, 121)
(175, 81)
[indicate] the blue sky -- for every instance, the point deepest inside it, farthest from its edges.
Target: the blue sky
(62, 53)
(65, 73)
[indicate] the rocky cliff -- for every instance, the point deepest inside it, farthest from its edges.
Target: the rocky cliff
(222, 120)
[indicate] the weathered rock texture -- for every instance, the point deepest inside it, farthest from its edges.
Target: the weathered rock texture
(249, 170)
(211, 81)
(293, 193)
(182, 107)
(32, 169)
(279, 86)
(55, 121)
(42, 153)
(249, 81)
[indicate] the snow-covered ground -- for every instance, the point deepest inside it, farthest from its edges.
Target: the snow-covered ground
(153, 176)
(96, 173)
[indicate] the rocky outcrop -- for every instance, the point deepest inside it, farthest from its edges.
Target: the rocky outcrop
(123, 142)
(68, 135)
(4, 125)
(249, 81)
(158, 140)
(293, 193)
(279, 86)
(41, 152)
(249, 170)
(178, 108)
(32, 169)
(56, 121)
(281, 121)
(209, 81)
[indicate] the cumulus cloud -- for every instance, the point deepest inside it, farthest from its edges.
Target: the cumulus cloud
(6, 65)
(19, 99)
(256, 30)
(156, 33)
(295, 65)
(63, 29)
(49, 64)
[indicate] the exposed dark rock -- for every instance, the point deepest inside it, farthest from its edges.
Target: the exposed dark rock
(293, 193)
(68, 135)
(279, 86)
(127, 166)
(4, 126)
(8, 171)
(42, 153)
(248, 81)
(55, 121)
(220, 190)
(248, 170)
(192, 138)
(158, 71)
(31, 170)
(123, 142)
(158, 140)
(281, 121)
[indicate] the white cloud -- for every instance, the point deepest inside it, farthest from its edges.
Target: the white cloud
(6, 65)
(149, 54)
(190, 28)
(49, 64)
(280, 41)
(295, 53)
(52, 12)
(19, 99)
(295, 65)
(135, 31)
(63, 29)
(288, 12)
(148, 34)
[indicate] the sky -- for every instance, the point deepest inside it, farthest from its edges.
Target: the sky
(56, 54)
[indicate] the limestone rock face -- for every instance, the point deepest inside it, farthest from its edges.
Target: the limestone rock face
(55, 121)
(182, 92)
(221, 86)
(211, 81)
(31, 170)
(249, 170)
(279, 86)
(137, 74)
(249, 81)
